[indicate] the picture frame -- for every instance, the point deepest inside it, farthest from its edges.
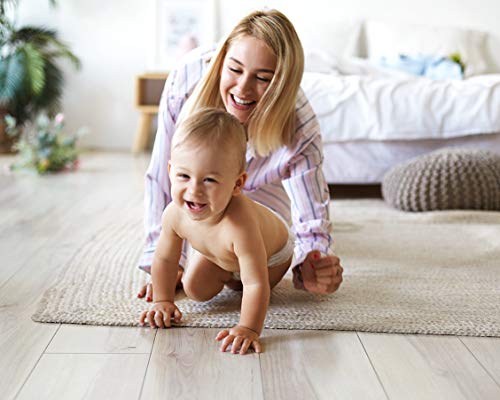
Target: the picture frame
(180, 25)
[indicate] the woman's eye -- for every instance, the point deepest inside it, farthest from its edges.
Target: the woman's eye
(262, 79)
(237, 71)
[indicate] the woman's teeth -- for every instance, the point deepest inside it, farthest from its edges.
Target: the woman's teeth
(241, 101)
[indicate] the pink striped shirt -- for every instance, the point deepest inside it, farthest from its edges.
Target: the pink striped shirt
(289, 181)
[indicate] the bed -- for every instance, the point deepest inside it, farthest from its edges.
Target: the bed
(373, 118)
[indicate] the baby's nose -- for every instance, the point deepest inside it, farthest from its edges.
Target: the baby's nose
(195, 188)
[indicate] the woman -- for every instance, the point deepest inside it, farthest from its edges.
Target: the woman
(255, 75)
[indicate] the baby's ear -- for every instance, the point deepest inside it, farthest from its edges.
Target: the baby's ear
(169, 166)
(240, 182)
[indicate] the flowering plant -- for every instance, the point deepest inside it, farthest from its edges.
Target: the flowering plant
(43, 146)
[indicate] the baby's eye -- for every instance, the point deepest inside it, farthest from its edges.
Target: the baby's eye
(210, 180)
(182, 176)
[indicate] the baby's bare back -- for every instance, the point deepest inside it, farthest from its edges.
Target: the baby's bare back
(216, 241)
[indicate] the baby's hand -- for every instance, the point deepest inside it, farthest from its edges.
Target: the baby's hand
(160, 313)
(239, 336)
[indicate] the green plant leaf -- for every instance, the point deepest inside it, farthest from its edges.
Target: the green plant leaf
(50, 98)
(6, 30)
(39, 35)
(30, 79)
(12, 73)
(46, 39)
(35, 68)
(62, 50)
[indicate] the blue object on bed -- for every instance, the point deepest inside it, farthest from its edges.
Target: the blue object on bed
(429, 66)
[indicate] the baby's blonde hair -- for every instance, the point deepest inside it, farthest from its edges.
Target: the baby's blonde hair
(272, 123)
(215, 129)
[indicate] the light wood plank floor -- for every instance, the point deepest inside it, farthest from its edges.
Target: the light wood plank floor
(44, 221)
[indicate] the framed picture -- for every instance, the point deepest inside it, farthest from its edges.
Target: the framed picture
(181, 26)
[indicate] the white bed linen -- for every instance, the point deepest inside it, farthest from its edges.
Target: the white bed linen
(366, 107)
(366, 162)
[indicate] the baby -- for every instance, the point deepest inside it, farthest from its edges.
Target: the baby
(235, 241)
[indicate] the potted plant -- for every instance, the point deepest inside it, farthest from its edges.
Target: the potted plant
(43, 145)
(30, 79)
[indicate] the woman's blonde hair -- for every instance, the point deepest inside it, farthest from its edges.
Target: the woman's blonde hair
(272, 122)
(215, 129)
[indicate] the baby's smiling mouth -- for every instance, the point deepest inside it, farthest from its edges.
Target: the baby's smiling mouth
(196, 207)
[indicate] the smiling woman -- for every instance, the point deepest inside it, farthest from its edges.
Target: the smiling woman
(243, 85)
(254, 74)
(263, 46)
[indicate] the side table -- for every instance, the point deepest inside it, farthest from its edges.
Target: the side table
(148, 89)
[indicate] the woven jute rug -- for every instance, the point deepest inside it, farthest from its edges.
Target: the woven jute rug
(427, 273)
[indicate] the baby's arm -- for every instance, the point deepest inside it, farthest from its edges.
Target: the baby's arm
(164, 274)
(250, 250)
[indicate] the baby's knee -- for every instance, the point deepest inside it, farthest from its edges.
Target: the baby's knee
(195, 290)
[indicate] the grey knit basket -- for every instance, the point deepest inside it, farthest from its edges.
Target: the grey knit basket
(446, 179)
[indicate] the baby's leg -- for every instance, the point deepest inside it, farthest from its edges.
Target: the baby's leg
(203, 279)
(277, 272)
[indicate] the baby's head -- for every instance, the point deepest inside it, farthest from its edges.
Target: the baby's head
(215, 130)
(207, 165)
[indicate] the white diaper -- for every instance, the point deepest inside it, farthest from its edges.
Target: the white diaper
(282, 255)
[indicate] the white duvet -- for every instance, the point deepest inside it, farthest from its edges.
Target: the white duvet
(402, 107)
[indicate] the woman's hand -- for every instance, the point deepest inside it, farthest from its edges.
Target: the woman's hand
(321, 275)
(147, 289)
(239, 338)
(160, 315)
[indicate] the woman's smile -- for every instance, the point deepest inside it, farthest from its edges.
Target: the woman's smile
(240, 104)
(246, 74)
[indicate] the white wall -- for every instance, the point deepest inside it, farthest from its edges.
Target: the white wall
(115, 41)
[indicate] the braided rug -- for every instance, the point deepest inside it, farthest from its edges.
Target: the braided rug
(427, 273)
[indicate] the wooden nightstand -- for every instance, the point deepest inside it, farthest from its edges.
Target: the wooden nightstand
(148, 89)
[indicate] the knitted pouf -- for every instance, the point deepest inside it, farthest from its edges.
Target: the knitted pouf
(444, 180)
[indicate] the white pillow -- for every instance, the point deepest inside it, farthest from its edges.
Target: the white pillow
(389, 39)
(339, 38)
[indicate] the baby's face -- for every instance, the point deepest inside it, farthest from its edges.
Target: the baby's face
(203, 180)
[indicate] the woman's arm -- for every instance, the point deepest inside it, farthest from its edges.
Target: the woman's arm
(157, 182)
(308, 191)
(178, 87)
(307, 188)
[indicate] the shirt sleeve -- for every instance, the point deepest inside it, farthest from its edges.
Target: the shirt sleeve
(179, 85)
(308, 190)
(157, 182)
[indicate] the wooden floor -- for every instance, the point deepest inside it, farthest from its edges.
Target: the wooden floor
(43, 223)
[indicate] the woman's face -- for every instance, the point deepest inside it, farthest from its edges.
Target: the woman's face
(246, 73)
